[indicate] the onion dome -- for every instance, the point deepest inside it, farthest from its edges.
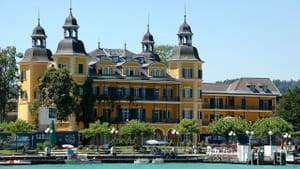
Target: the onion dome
(38, 52)
(70, 45)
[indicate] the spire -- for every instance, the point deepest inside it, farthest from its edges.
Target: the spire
(185, 32)
(148, 30)
(70, 7)
(184, 13)
(38, 16)
(125, 45)
(98, 44)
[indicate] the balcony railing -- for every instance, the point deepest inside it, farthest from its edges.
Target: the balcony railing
(237, 107)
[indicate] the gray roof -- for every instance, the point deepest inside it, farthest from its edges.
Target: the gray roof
(38, 31)
(71, 47)
(243, 86)
(184, 52)
(37, 54)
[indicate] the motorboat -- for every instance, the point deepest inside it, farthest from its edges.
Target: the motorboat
(141, 161)
(15, 162)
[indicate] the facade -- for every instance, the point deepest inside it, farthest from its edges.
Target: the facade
(139, 86)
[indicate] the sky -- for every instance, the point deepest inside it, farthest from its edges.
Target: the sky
(234, 38)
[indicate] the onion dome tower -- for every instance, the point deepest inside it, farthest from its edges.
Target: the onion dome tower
(71, 45)
(38, 52)
(148, 46)
(185, 49)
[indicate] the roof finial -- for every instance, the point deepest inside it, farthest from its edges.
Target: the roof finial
(184, 12)
(38, 16)
(148, 24)
(70, 7)
(98, 44)
(125, 45)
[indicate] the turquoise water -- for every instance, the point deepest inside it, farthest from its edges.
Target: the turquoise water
(152, 166)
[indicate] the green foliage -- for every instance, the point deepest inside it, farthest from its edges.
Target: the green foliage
(277, 125)
(187, 126)
(135, 128)
(42, 146)
(288, 107)
(4, 126)
(95, 129)
(224, 125)
(163, 52)
(19, 126)
(87, 103)
(8, 80)
(56, 88)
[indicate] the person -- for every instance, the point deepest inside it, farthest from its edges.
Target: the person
(113, 150)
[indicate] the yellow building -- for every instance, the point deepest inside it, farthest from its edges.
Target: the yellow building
(139, 86)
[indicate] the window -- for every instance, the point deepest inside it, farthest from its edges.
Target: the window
(200, 74)
(107, 71)
(23, 75)
(127, 92)
(96, 91)
(80, 68)
(187, 114)
(156, 117)
(199, 115)
(216, 103)
(23, 94)
(136, 92)
(156, 94)
(187, 73)
(125, 115)
(131, 72)
(157, 73)
(105, 90)
(106, 115)
(62, 65)
(168, 92)
(187, 93)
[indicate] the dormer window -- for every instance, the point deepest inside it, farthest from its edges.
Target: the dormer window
(252, 87)
(115, 59)
(265, 88)
(132, 72)
(157, 73)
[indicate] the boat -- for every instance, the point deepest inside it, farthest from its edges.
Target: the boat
(141, 161)
(158, 160)
(81, 158)
(15, 162)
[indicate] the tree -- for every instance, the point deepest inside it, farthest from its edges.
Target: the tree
(8, 80)
(19, 126)
(135, 129)
(225, 125)
(187, 126)
(163, 52)
(87, 103)
(288, 107)
(277, 125)
(96, 129)
(56, 88)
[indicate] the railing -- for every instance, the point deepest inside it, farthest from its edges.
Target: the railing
(236, 107)
(156, 121)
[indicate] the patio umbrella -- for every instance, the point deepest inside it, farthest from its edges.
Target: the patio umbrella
(52, 134)
(67, 146)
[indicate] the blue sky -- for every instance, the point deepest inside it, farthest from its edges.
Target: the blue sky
(235, 38)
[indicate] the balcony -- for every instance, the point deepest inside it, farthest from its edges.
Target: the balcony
(238, 107)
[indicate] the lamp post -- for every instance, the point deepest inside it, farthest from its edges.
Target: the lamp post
(250, 134)
(231, 135)
(48, 131)
(287, 137)
(175, 133)
(270, 134)
(114, 132)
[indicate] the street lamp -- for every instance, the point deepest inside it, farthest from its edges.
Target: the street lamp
(270, 134)
(250, 134)
(287, 137)
(231, 135)
(48, 131)
(114, 132)
(175, 133)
